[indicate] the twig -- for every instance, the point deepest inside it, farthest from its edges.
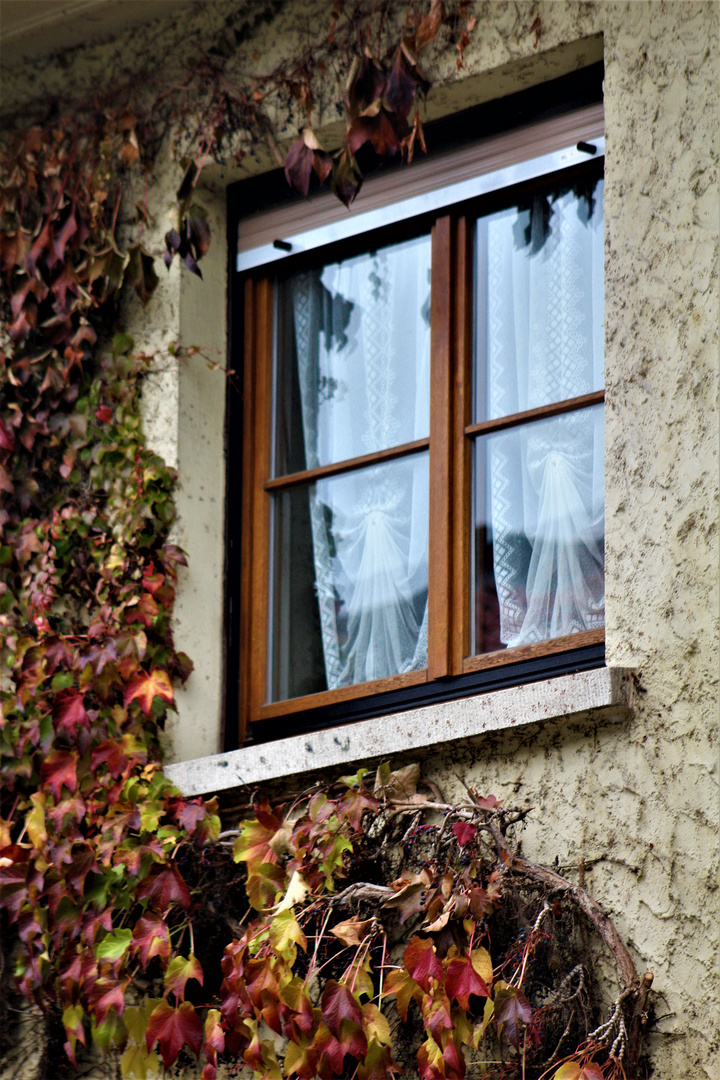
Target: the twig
(597, 917)
(362, 890)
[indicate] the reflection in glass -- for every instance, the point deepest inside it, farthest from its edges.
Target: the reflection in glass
(353, 357)
(350, 578)
(539, 301)
(538, 560)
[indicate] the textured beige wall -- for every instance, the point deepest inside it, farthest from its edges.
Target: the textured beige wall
(639, 795)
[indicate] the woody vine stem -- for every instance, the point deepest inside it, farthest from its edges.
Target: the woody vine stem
(129, 921)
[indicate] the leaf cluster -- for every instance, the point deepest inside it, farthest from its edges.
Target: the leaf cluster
(326, 937)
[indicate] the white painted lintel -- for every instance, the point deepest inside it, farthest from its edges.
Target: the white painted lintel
(607, 689)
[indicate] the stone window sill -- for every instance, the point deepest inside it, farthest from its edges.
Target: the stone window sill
(607, 690)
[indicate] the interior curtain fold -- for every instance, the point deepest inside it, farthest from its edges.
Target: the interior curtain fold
(544, 304)
(361, 331)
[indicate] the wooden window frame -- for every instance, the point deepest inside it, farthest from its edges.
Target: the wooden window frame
(450, 444)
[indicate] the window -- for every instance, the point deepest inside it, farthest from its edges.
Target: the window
(422, 474)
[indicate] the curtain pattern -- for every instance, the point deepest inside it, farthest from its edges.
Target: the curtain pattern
(362, 343)
(543, 343)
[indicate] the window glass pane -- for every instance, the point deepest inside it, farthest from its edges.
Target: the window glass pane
(539, 301)
(353, 357)
(538, 538)
(350, 578)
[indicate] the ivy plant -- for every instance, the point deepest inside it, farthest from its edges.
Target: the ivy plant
(366, 924)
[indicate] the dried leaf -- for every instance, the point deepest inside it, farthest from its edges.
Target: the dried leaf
(353, 931)
(429, 27)
(365, 85)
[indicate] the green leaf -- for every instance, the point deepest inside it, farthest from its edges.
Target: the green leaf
(114, 946)
(62, 681)
(285, 933)
(122, 344)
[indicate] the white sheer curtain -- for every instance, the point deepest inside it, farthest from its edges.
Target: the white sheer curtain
(544, 327)
(362, 344)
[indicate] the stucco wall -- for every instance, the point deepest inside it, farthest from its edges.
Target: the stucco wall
(640, 795)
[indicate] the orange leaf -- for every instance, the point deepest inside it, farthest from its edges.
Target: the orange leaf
(146, 687)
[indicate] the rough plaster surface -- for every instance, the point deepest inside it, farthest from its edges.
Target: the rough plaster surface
(639, 795)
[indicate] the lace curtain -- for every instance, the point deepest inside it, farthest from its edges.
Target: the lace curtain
(361, 332)
(543, 300)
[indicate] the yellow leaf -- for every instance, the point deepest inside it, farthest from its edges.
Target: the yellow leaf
(296, 892)
(35, 820)
(139, 1064)
(482, 963)
(569, 1071)
(375, 1025)
(285, 932)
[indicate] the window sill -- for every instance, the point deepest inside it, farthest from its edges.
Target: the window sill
(610, 690)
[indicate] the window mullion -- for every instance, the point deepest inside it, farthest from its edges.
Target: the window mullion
(263, 336)
(441, 464)
(461, 446)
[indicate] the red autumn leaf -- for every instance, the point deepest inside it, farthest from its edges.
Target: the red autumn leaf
(294, 996)
(350, 1040)
(489, 802)
(7, 437)
(83, 862)
(305, 155)
(377, 128)
(146, 687)
(422, 962)
(462, 980)
(111, 752)
(152, 579)
(464, 832)
(378, 1064)
(58, 770)
(573, 1070)
(187, 813)
(104, 414)
(298, 167)
(354, 804)
(214, 1034)
(69, 712)
(172, 1028)
(366, 85)
(512, 1009)
(451, 1057)
(165, 887)
(437, 1017)
(338, 1003)
(346, 177)
(480, 902)
(326, 1043)
(259, 838)
(260, 979)
(404, 82)
(151, 938)
(107, 993)
(144, 611)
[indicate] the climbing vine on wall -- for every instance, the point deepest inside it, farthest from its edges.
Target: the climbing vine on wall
(108, 917)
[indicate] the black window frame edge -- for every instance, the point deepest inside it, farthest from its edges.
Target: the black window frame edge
(556, 97)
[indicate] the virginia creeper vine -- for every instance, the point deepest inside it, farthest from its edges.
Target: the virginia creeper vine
(362, 903)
